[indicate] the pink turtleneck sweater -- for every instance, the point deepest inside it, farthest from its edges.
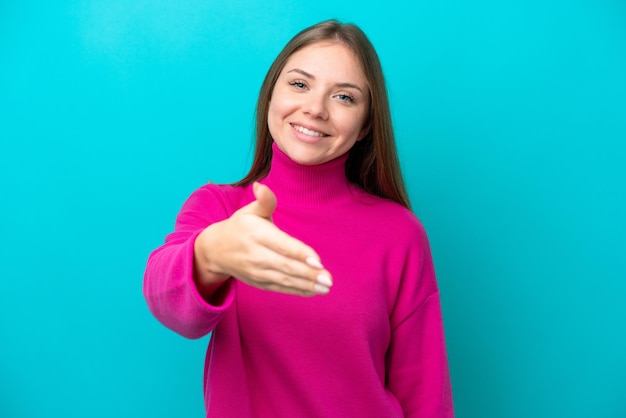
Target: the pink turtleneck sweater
(373, 347)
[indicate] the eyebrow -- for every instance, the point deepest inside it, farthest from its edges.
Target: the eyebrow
(309, 75)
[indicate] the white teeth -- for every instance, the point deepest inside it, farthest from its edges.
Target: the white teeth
(307, 131)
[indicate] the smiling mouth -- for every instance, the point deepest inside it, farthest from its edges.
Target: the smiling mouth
(306, 131)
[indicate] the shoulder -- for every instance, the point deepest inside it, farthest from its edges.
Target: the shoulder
(217, 200)
(213, 193)
(390, 218)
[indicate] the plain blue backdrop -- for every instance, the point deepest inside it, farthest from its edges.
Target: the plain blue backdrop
(511, 123)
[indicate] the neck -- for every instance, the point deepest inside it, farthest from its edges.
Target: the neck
(306, 185)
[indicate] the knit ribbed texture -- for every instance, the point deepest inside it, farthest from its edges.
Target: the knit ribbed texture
(373, 347)
(308, 185)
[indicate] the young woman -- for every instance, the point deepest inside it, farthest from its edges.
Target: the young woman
(312, 273)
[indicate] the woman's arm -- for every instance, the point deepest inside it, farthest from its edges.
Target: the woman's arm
(417, 364)
(171, 277)
(189, 280)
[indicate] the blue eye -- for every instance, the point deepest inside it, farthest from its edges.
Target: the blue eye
(345, 98)
(298, 84)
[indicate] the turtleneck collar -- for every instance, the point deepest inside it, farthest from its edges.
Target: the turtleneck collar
(306, 185)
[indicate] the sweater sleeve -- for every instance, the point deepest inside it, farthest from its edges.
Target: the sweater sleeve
(169, 286)
(417, 365)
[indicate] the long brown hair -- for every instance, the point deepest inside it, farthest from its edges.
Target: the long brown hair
(372, 162)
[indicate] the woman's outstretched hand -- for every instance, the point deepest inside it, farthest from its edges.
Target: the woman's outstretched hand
(251, 248)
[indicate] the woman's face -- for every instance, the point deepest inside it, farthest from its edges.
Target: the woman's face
(319, 104)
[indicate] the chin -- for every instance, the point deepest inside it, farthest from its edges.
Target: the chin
(302, 156)
(306, 160)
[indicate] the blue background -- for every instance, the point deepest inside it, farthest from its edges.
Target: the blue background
(511, 123)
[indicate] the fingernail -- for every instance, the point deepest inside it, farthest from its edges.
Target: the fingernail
(321, 289)
(324, 279)
(314, 262)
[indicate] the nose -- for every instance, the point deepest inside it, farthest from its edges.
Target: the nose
(316, 106)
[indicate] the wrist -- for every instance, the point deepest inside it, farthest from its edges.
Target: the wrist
(206, 271)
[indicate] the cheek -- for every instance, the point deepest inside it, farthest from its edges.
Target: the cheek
(276, 109)
(275, 117)
(271, 119)
(364, 125)
(273, 109)
(353, 125)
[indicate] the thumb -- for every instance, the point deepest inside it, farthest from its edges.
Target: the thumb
(265, 202)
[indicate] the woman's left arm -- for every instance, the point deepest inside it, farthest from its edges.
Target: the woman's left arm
(417, 364)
